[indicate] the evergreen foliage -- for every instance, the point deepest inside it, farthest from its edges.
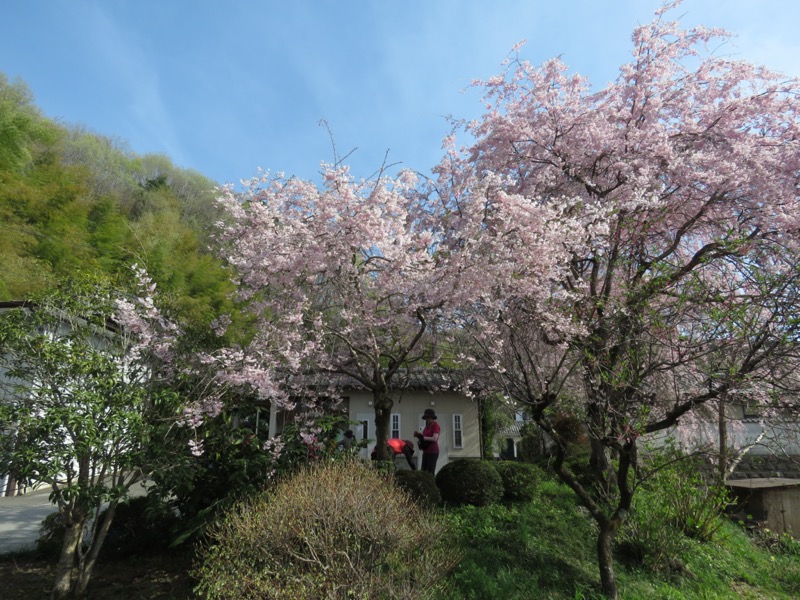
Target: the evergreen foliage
(420, 485)
(519, 480)
(473, 482)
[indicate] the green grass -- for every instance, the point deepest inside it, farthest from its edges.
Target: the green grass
(546, 549)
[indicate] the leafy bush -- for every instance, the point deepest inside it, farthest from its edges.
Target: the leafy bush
(536, 445)
(237, 462)
(698, 505)
(420, 485)
(673, 503)
(531, 446)
(569, 428)
(140, 526)
(51, 535)
(648, 538)
(334, 529)
(519, 480)
(473, 482)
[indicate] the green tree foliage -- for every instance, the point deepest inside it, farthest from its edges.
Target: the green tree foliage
(71, 200)
(21, 125)
(77, 414)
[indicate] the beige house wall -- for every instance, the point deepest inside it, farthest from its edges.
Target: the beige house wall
(409, 406)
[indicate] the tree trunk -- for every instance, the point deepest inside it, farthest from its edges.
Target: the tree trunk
(87, 566)
(605, 560)
(382, 403)
(73, 532)
(722, 425)
(11, 487)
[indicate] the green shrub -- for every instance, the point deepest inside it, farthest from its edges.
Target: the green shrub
(473, 482)
(673, 503)
(532, 444)
(140, 526)
(648, 538)
(237, 462)
(519, 480)
(333, 530)
(51, 535)
(697, 504)
(420, 485)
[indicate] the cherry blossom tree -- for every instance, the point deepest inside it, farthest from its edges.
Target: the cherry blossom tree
(341, 279)
(627, 236)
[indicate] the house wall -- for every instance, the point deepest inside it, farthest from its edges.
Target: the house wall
(409, 406)
(759, 437)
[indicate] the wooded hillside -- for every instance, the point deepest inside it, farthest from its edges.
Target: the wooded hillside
(74, 200)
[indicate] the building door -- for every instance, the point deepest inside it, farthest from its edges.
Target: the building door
(365, 430)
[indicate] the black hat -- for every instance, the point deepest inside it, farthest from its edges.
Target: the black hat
(429, 413)
(348, 433)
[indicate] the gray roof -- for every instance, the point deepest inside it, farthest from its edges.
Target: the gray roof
(513, 430)
(766, 467)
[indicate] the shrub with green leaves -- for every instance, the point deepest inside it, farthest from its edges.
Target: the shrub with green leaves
(142, 525)
(473, 482)
(519, 480)
(674, 502)
(237, 461)
(336, 529)
(420, 485)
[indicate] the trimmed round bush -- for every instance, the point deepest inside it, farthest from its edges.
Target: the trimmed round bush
(421, 486)
(519, 480)
(333, 530)
(474, 482)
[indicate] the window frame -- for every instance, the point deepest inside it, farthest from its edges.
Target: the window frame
(458, 430)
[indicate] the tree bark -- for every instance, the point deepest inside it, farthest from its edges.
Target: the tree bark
(73, 532)
(605, 559)
(722, 425)
(11, 488)
(382, 403)
(87, 566)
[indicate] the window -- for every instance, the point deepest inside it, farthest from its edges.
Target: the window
(395, 428)
(751, 409)
(458, 434)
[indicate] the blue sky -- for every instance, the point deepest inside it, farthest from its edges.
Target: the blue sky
(226, 87)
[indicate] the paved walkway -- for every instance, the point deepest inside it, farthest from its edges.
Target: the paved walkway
(20, 519)
(22, 516)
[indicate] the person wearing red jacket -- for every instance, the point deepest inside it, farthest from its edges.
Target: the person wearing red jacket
(398, 446)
